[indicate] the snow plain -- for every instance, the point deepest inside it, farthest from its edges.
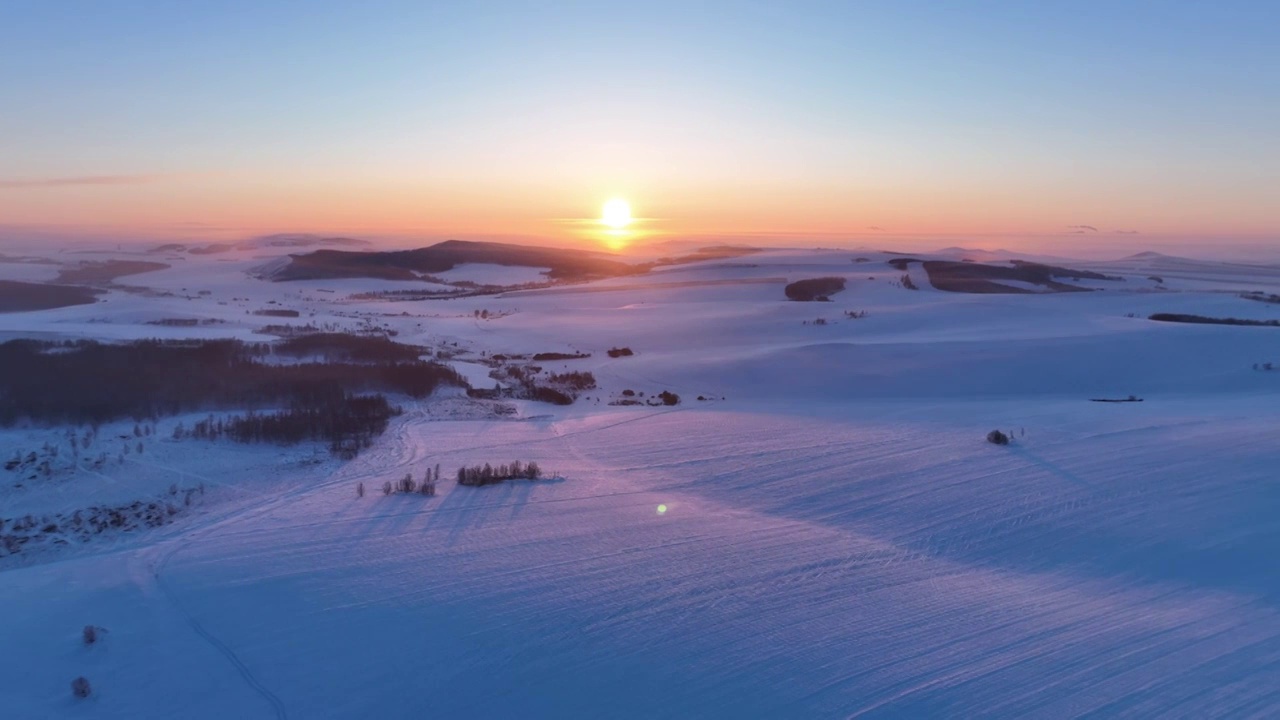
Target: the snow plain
(826, 535)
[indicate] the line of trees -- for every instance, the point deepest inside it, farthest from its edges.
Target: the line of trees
(487, 474)
(407, 485)
(1203, 320)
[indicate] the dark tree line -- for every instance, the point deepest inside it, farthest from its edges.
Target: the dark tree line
(89, 382)
(353, 348)
(573, 380)
(490, 475)
(347, 423)
(1203, 320)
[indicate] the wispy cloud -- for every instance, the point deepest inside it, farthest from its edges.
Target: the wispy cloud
(78, 181)
(1082, 228)
(1127, 232)
(875, 228)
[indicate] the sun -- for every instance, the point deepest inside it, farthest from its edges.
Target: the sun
(616, 214)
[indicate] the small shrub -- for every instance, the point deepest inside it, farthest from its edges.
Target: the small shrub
(386, 488)
(80, 687)
(617, 352)
(996, 437)
(908, 283)
(90, 634)
(669, 398)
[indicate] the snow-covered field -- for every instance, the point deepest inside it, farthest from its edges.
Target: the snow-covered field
(826, 534)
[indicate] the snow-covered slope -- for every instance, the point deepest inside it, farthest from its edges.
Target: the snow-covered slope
(827, 534)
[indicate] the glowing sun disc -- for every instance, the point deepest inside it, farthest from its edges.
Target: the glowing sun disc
(616, 214)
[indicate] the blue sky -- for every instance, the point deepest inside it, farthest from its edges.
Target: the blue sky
(500, 118)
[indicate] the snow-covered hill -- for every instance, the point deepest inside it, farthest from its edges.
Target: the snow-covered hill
(825, 534)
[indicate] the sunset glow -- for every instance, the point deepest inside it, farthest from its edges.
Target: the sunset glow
(844, 132)
(616, 214)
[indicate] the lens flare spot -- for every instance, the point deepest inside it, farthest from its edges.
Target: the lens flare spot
(662, 509)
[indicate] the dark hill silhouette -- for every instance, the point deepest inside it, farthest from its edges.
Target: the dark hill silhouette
(979, 278)
(23, 296)
(562, 264)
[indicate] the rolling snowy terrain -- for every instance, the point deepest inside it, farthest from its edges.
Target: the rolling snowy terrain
(817, 529)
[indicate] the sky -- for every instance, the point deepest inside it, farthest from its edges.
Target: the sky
(798, 122)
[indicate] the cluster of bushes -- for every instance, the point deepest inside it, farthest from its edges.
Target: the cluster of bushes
(814, 289)
(487, 474)
(20, 533)
(556, 388)
(89, 382)
(617, 352)
(544, 394)
(549, 356)
(666, 397)
(272, 312)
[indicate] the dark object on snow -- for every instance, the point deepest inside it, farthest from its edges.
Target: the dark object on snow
(1202, 320)
(997, 438)
(90, 634)
(80, 687)
(489, 475)
(814, 289)
(620, 352)
(1131, 398)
